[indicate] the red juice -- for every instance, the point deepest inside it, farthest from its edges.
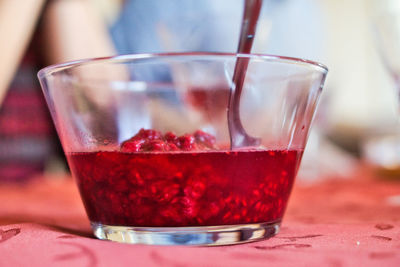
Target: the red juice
(185, 188)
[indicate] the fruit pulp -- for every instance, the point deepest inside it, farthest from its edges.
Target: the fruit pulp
(184, 188)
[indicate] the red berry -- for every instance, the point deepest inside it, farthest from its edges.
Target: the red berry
(131, 146)
(187, 142)
(144, 134)
(152, 140)
(170, 137)
(154, 145)
(172, 147)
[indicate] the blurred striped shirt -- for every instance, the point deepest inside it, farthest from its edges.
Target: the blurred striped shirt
(27, 135)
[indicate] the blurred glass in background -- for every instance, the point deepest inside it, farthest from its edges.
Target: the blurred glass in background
(385, 18)
(383, 150)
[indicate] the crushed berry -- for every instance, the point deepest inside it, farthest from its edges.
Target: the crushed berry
(196, 188)
(148, 135)
(201, 186)
(152, 140)
(187, 142)
(170, 137)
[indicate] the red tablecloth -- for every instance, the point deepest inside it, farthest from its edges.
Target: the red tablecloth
(347, 222)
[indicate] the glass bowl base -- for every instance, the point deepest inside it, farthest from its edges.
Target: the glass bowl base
(192, 236)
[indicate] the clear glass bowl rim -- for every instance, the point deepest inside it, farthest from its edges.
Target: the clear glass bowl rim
(132, 57)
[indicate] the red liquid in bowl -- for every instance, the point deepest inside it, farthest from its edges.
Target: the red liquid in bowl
(185, 188)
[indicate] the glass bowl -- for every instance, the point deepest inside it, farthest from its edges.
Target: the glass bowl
(148, 141)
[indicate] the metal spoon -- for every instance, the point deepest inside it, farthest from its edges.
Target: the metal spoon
(238, 136)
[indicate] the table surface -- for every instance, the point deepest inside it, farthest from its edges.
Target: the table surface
(337, 222)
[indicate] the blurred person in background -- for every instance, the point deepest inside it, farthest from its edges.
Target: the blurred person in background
(36, 33)
(286, 27)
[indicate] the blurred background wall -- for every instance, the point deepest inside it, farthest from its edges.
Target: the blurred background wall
(362, 97)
